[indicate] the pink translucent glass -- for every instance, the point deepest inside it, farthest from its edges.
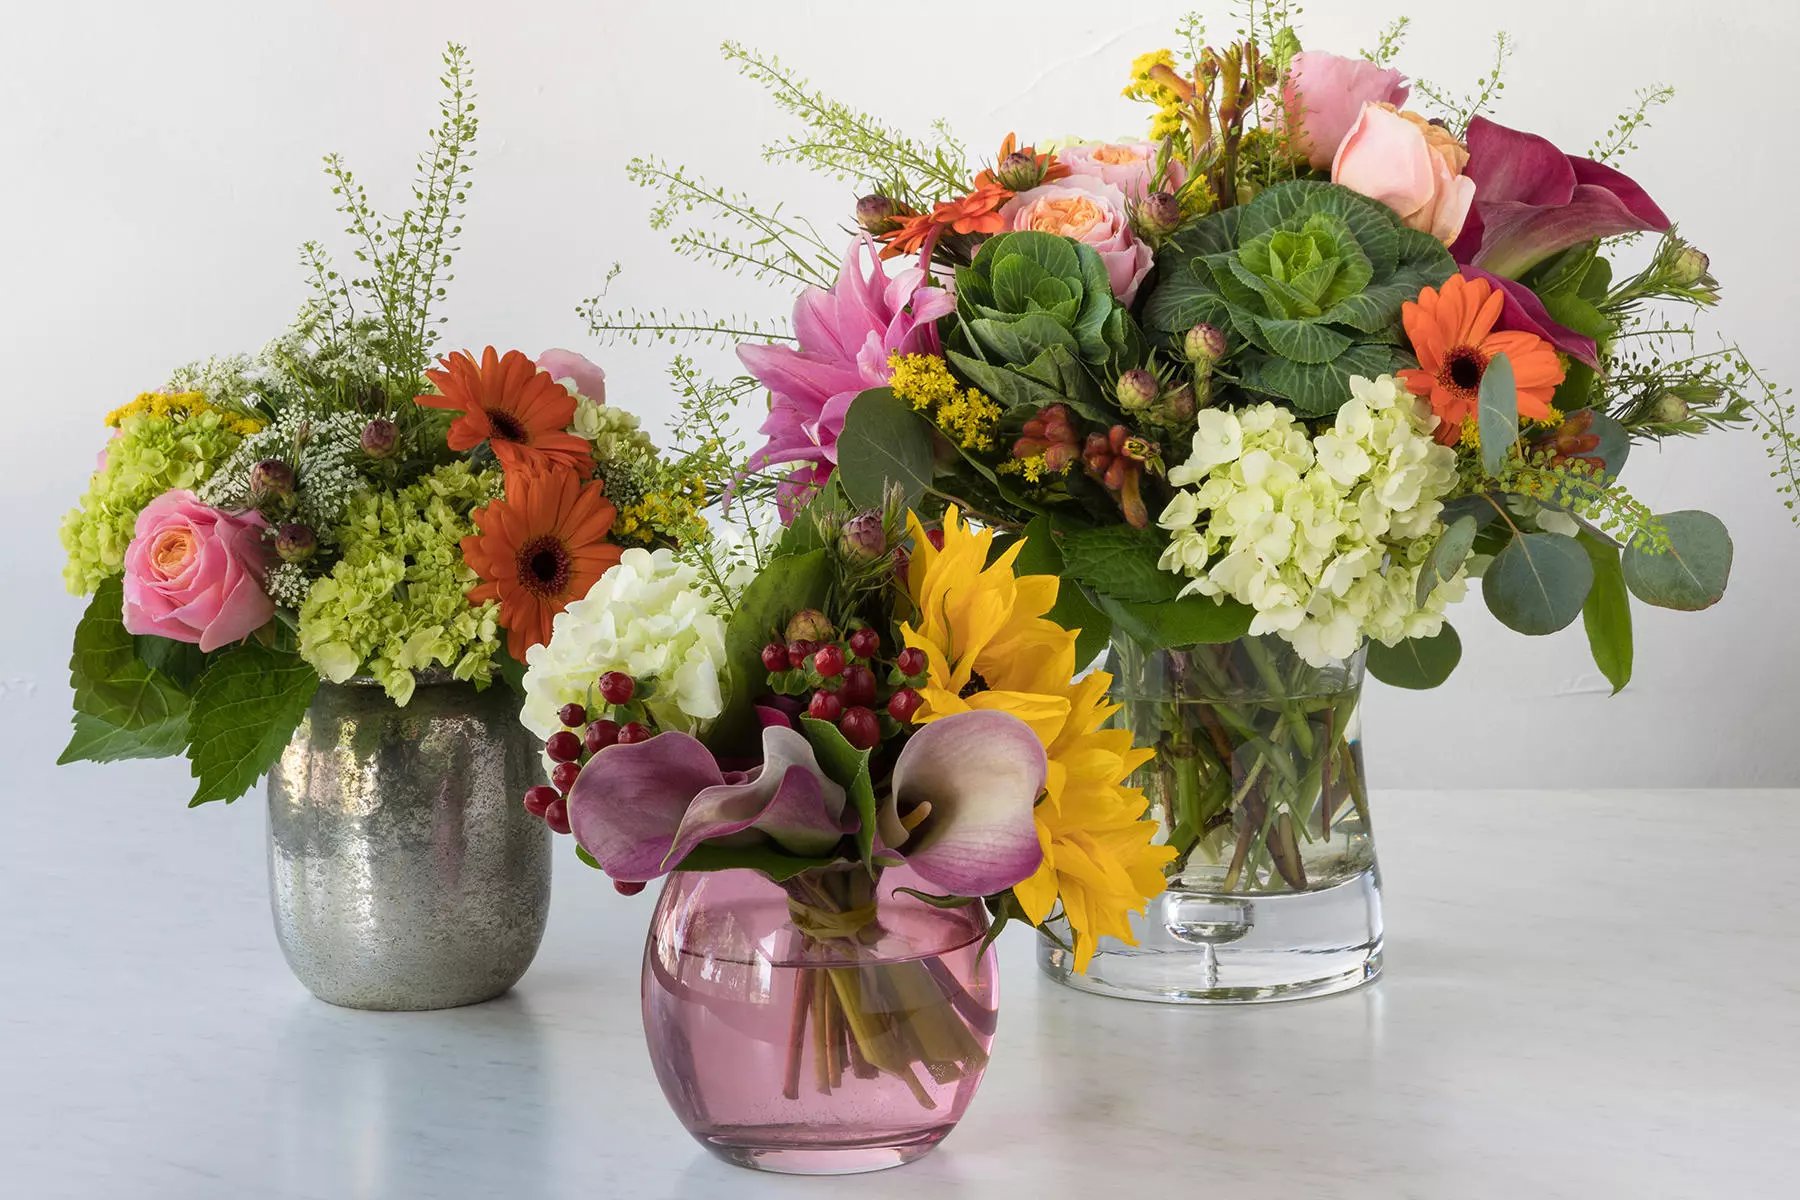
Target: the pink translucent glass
(729, 990)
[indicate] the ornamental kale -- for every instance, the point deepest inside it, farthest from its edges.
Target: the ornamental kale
(1307, 280)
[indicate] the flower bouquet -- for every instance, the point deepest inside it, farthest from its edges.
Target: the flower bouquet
(1268, 386)
(850, 743)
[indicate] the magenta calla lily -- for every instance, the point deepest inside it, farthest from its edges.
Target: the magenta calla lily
(1526, 313)
(959, 813)
(639, 809)
(1532, 200)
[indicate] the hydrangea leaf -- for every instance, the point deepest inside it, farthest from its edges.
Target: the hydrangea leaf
(111, 681)
(1120, 562)
(246, 708)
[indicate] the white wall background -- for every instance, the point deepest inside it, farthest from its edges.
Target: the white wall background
(159, 167)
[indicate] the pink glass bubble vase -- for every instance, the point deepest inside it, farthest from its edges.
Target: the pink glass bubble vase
(824, 1026)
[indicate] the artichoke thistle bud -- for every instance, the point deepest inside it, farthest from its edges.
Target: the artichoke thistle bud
(1671, 407)
(296, 543)
(1137, 390)
(1178, 405)
(380, 438)
(1159, 214)
(271, 481)
(1019, 171)
(1203, 345)
(876, 215)
(863, 539)
(809, 625)
(1689, 267)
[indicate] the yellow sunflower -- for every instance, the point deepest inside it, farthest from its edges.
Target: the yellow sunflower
(989, 645)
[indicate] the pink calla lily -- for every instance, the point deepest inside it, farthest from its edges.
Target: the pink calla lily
(1525, 313)
(959, 811)
(1532, 200)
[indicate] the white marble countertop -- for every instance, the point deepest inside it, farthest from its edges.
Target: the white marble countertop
(1587, 995)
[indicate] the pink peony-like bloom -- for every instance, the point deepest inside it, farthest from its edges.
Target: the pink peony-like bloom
(193, 573)
(566, 367)
(1409, 165)
(1324, 94)
(1126, 165)
(1091, 211)
(843, 340)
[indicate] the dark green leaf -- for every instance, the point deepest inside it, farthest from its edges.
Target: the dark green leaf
(1192, 621)
(1538, 583)
(1606, 615)
(1074, 610)
(1120, 562)
(884, 442)
(584, 856)
(111, 681)
(1416, 663)
(934, 900)
(97, 741)
(1446, 557)
(1691, 574)
(765, 857)
(847, 767)
(1498, 416)
(246, 707)
(182, 662)
(784, 587)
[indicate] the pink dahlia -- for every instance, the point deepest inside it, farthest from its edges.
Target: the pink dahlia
(843, 340)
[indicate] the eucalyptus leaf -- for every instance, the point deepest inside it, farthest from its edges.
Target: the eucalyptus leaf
(1692, 573)
(1606, 615)
(1538, 583)
(1446, 558)
(1497, 418)
(884, 442)
(246, 707)
(1417, 663)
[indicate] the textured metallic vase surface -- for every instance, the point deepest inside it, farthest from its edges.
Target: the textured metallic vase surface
(403, 871)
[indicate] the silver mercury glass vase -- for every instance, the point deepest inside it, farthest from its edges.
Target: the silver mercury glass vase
(404, 872)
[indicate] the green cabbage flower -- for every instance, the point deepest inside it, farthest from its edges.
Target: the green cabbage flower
(1306, 281)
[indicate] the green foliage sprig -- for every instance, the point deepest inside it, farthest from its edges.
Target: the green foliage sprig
(1458, 111)
(1387, 46)
(1620, 137)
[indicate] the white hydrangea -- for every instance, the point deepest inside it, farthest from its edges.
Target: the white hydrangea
(650, 617)
(1322, 535)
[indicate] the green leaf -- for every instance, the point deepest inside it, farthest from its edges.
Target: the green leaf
(96, 740)
(585, 857)
(884, 442)
(111, 681)
(1498, 417)
(936, 901)
(1417, 663)
(847, 767)
(1191, 621)
(1073, 609)
(1692, 573)
(512, 671)
(246, 707)
(784, 587)
(1446, 557)
(182, 662)
(1120, 562)
(1606, 614)
(764, 857)
(1538, 583)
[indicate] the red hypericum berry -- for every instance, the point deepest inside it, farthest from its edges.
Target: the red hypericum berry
(633, 732)
(774, 657)
(626, 887)
(865, 643)
(799, 652)
(828, 661)
(825, 706)
(903, 704)
(935, 537)
(556, 816)
(539, 798)
(616, 687)
(859, 727)
(574, 716)
(911, 661)
(562, 776)
(600, 735)
(859, 685)
(563, 746)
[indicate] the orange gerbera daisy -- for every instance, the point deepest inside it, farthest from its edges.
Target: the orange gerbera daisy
(977, 212)
(512, 406)
(1452, 332)
(539, 550)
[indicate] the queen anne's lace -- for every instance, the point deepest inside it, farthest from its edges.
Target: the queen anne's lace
(1322, 535)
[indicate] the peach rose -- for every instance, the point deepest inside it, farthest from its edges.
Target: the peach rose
(194, 573)
(1126, 165)
(1090, 211)
(1410, 165)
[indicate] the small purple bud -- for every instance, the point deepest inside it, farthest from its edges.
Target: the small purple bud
(809, 625)
(1019, 171)
(1178, 405)
(1204, 345)
(296, 543)
(271, 481)
(380, 438)
(863, 538)
(877, 214)
(1137, 390)
(1160, 214)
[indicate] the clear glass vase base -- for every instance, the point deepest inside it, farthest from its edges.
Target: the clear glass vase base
(1206, 948)
(753, 1149)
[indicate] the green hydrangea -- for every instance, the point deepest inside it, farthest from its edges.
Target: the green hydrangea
(151, 455)
(396, 601)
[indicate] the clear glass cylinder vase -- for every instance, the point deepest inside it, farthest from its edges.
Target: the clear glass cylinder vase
(1258, 783)
(816, 1027)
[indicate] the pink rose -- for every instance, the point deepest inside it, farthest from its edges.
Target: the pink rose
(1323, 95)
(566, 367)
(1410, 165)
(1126, 165)
(194, 573)
(1090, 211)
